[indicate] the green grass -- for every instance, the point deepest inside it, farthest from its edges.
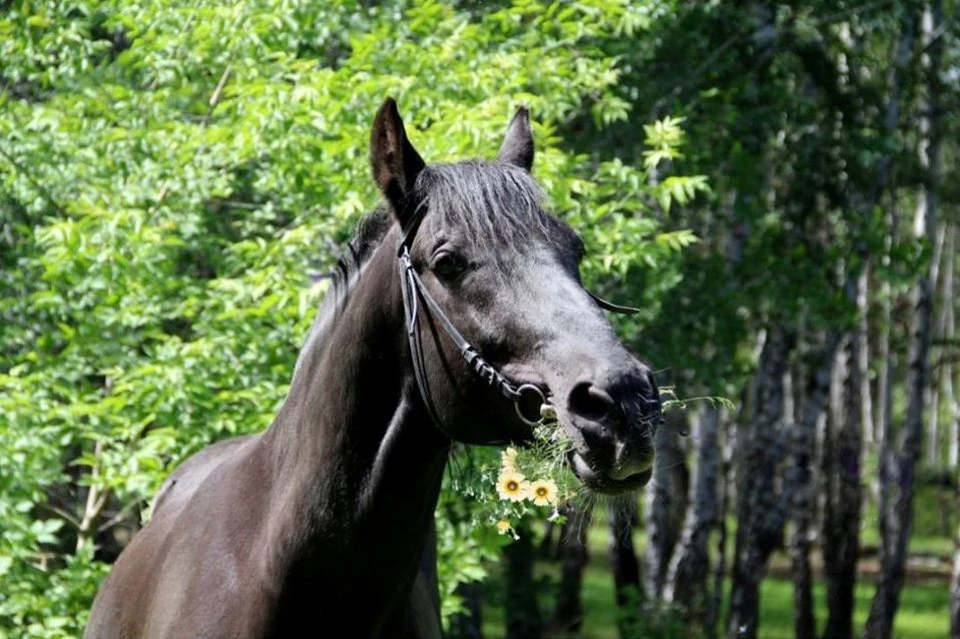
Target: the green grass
(600, 621)
(923, 612)
(924, 604)
(934, 522)
(922, 615)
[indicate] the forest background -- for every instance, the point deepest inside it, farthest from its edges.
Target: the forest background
(773, 184)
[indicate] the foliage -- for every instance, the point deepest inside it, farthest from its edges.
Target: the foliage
(172, 172)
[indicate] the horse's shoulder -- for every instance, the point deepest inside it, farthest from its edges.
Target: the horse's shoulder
(185, 479)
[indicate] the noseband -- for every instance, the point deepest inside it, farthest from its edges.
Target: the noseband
(522, 395)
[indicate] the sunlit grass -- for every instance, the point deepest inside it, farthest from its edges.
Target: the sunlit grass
(923, 610)
(924, 605)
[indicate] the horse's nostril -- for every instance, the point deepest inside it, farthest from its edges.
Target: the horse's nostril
(593, 403)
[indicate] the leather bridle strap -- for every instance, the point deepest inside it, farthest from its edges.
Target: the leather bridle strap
(410, 310)
(413, 291)
(613, 308)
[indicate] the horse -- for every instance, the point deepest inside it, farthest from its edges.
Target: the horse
(457, 314)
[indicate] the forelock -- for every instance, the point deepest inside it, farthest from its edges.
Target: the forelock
(486, 202)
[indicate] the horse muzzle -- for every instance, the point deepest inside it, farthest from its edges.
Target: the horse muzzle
(612, 424)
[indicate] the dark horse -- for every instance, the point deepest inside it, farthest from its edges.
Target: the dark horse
(322, 524)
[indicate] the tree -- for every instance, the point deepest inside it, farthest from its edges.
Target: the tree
(801, 480)
(171, 175)
(666, 502)
(690, 566)
(175, 178)
(955, 590)
(842, 499)
(899, 469)
(628, 589)
(568, 611)
(523, 611)
(760, 511)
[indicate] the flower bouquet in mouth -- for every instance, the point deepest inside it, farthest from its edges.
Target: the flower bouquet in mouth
(530, 479)
(498, 489)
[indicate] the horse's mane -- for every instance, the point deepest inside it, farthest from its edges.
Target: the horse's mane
(485, 201)
(370, 232)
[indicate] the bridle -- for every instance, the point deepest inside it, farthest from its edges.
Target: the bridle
(522, 395)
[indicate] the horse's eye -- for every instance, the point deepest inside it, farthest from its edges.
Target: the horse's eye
(447, 265)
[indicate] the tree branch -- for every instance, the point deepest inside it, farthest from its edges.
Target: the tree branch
(36, 185)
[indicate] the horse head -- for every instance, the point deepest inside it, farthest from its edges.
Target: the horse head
(497, 315)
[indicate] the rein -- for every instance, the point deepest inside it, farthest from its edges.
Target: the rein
(523, 396)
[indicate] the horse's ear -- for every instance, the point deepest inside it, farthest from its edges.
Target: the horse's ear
(396, 164)
(517, 146)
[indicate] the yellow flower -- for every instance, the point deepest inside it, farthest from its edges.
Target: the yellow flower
(512, 486)
(503, 526)
(508, 460)
(543, 492)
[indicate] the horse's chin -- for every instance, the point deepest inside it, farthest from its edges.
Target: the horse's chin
(600, 482)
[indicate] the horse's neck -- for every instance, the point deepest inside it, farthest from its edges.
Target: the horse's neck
(354, 453)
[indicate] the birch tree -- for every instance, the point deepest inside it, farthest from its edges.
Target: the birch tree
(666, 503)
(760, 513)
(947, 334)
(627, 585)
(568, 609)
(899, 467)
(690, 567)
(955, 585)
(804, 489)
(842, 503)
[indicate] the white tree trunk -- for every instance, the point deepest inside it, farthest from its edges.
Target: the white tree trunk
(882, 405)
(687, 577)
(728, 442)
(863, 356)
(949, 334)
(899, 470)
(666, 503)
(804, 489)
(955, 590)
(953, 449)
(841, 527)
(933, 455)
(761, 508)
